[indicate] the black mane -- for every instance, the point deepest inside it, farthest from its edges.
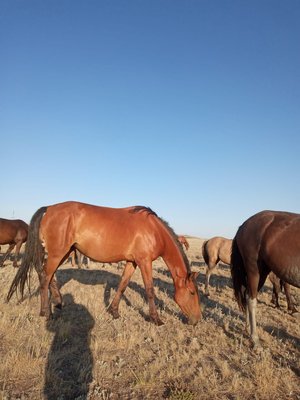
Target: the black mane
(137, 209)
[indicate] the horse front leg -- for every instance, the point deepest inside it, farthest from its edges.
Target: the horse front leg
(276, 291)
(79, 257)
(9, 250)
(129, 269)
(146, 270)
(289, 299)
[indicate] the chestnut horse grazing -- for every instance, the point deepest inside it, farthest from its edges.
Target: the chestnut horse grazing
(214, 250)
(135, 234)
(267, 241)
(183, 241)
(13, 232)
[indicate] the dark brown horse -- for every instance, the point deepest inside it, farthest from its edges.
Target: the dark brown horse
(267, 241)
(214, 250)
(135, 234)
(14, 233)
(278, 286)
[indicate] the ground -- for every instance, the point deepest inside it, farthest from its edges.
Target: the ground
(83, 353)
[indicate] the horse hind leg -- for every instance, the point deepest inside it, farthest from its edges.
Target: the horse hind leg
(8, 251)
(46, 282)
(255, 283)
(210, 267)
(276, 291)
(129, 269)
(55, 293)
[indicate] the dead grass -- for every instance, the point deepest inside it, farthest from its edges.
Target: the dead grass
(84, 354)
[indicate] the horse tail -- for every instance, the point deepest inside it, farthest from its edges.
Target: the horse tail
(33, 256)
(238, 274)
(204, 252)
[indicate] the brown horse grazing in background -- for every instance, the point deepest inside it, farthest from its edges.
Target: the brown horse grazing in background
(135, 234)
(183, 241)
(13, 232)
(267, 241)
(278, 286)
(214, 250)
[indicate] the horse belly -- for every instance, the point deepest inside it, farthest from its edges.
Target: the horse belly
(285, 265)
(118, 246)
(104, 252)
(7, 237)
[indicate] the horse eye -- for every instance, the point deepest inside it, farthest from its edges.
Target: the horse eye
(192, 292)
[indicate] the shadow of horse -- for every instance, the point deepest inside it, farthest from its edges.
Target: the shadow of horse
(69, 366)
(111, 281)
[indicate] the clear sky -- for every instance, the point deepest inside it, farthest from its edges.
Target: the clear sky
(189, 107)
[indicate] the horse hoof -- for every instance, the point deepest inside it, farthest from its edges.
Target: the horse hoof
(157, 321)
(58, 306)
(113, 312)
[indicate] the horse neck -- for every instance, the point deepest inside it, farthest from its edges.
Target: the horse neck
(173, 257)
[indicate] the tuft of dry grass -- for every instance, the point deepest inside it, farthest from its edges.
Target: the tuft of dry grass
(85, 354)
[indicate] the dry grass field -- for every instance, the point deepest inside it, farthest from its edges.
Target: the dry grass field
(83, 353)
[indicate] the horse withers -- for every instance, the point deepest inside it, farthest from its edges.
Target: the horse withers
(215, 250)
(14, 233)
(267, 241)
(135, 234)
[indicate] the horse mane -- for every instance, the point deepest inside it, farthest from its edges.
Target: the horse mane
(179, 245)
(149, 211)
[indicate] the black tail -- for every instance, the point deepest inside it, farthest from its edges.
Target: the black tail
(204, 252)
(239, 277)
(33, 256)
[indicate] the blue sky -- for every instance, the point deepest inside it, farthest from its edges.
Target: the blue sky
(188, 107)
